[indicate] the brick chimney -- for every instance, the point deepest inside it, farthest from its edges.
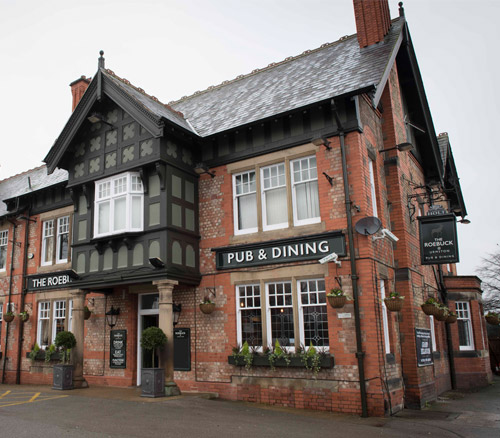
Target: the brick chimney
(373, 20)
(78, 87)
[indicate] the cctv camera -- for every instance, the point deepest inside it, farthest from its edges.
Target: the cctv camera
(389, 235)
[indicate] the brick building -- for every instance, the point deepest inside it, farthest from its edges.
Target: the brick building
(236, 193)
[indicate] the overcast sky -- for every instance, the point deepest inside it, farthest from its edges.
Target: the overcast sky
(172, 48)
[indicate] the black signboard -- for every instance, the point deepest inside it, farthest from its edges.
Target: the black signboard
(51, 280)
(281, 251)
(424, 347)
(118, 347)
(182, 349)
(438, 239)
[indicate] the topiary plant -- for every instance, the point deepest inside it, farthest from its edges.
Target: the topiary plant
(153, 338)
(65, 341)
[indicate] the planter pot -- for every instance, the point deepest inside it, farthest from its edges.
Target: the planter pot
(8, 318)
(441, 315)
(86, 314)
(62, 377)
(451, 319)
(430, 309)
(295, 362)
(152, 382)
(337, 302)
(493, 320)
(207, 308)
(394, 305)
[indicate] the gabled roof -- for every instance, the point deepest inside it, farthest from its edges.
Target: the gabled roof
(19, 185)
(332, 70)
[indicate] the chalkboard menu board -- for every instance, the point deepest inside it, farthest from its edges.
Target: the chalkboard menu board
(424, 347)
(182, 349)
(118, 347)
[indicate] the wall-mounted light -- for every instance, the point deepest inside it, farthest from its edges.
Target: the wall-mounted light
(96, 118)
(321, 141)
(157, 262)
(402, 147)
(177, 309)
(112, 316)
(202, 168)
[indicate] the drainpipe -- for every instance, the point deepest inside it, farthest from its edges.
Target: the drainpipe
(10, 297)
(23, 295)
(360, 354)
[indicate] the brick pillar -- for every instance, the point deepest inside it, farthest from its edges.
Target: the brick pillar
(78, 296)
(166, 323)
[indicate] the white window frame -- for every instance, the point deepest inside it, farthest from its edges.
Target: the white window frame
(133, 189)
(239, 308)
(263, 192)
(44, 309)
(433, 333)
(62, 229)
(47, 239)
(373, 189)
(56, 316)
(4, 241)
(237, 230)
(464, 314)
(70, 316)
(294, 184)
(268, 315)
(385, 318)
(302, 334)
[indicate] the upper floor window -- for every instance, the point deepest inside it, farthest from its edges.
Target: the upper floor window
(4, 238)
(465, 339)
(55, 241)
(118, 205)
(373, 191)
(279, 189)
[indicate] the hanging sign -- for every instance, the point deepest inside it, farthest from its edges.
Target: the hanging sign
(281, 251)
(424, 347)
(438, 239)
(118, 347)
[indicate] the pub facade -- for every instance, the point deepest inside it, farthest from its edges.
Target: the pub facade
(258, 196)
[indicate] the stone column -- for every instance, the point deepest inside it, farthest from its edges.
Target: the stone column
(78, 296)
(166, 323)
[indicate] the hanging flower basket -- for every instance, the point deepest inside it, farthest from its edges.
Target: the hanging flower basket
(452, 318)
(430, 309)
(394, 304)
(492, 319)
(207, 308)
(86, 313)
(8, 317)
(336, 302)
(442, 314)
(24, 316)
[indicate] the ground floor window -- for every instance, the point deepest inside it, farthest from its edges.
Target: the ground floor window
(52, 319)
(465, 338)
(267, 313)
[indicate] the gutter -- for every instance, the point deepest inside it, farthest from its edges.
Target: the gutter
(360, 354)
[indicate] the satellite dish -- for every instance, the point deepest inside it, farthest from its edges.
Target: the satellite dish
(368, 225)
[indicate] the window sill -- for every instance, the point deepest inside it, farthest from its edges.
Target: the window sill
(467, 353)
(281, 233)
(53, 268)
(295, 362)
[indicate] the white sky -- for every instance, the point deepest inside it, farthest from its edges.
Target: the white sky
(171, 48)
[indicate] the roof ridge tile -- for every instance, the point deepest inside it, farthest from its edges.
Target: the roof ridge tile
(22, 173)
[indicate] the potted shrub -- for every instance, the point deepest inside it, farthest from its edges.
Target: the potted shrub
(153, 379)
(336, 298)
(63, 373)
(207, 306)
(430, 307)
(24, 316)
(86, 313)
(394, 302)
(8, 316)
(492, 318)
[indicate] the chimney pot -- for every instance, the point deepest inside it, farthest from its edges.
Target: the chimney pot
(373, 21)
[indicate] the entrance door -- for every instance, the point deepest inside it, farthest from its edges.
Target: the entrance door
(148, 317)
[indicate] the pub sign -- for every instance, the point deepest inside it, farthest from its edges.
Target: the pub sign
(424, 347)
(438, 239)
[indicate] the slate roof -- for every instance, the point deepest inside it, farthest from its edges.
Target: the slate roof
(18, 185)
(332, 70)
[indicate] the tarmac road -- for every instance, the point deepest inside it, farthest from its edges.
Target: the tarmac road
(33, 411)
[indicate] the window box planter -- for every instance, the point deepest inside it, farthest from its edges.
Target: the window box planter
(41, 356)
(62, 377)
(295, 362)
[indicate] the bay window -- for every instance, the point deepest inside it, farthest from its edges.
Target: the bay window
(4, 239)
(118, 205)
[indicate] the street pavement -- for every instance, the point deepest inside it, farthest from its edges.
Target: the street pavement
(33, 411)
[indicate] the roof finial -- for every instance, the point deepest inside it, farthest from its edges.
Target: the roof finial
(401, 9)
(101, 59)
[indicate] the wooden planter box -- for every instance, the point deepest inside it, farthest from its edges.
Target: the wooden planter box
(295, 362)
(62, 377)
(152, 382)
(337, 302)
